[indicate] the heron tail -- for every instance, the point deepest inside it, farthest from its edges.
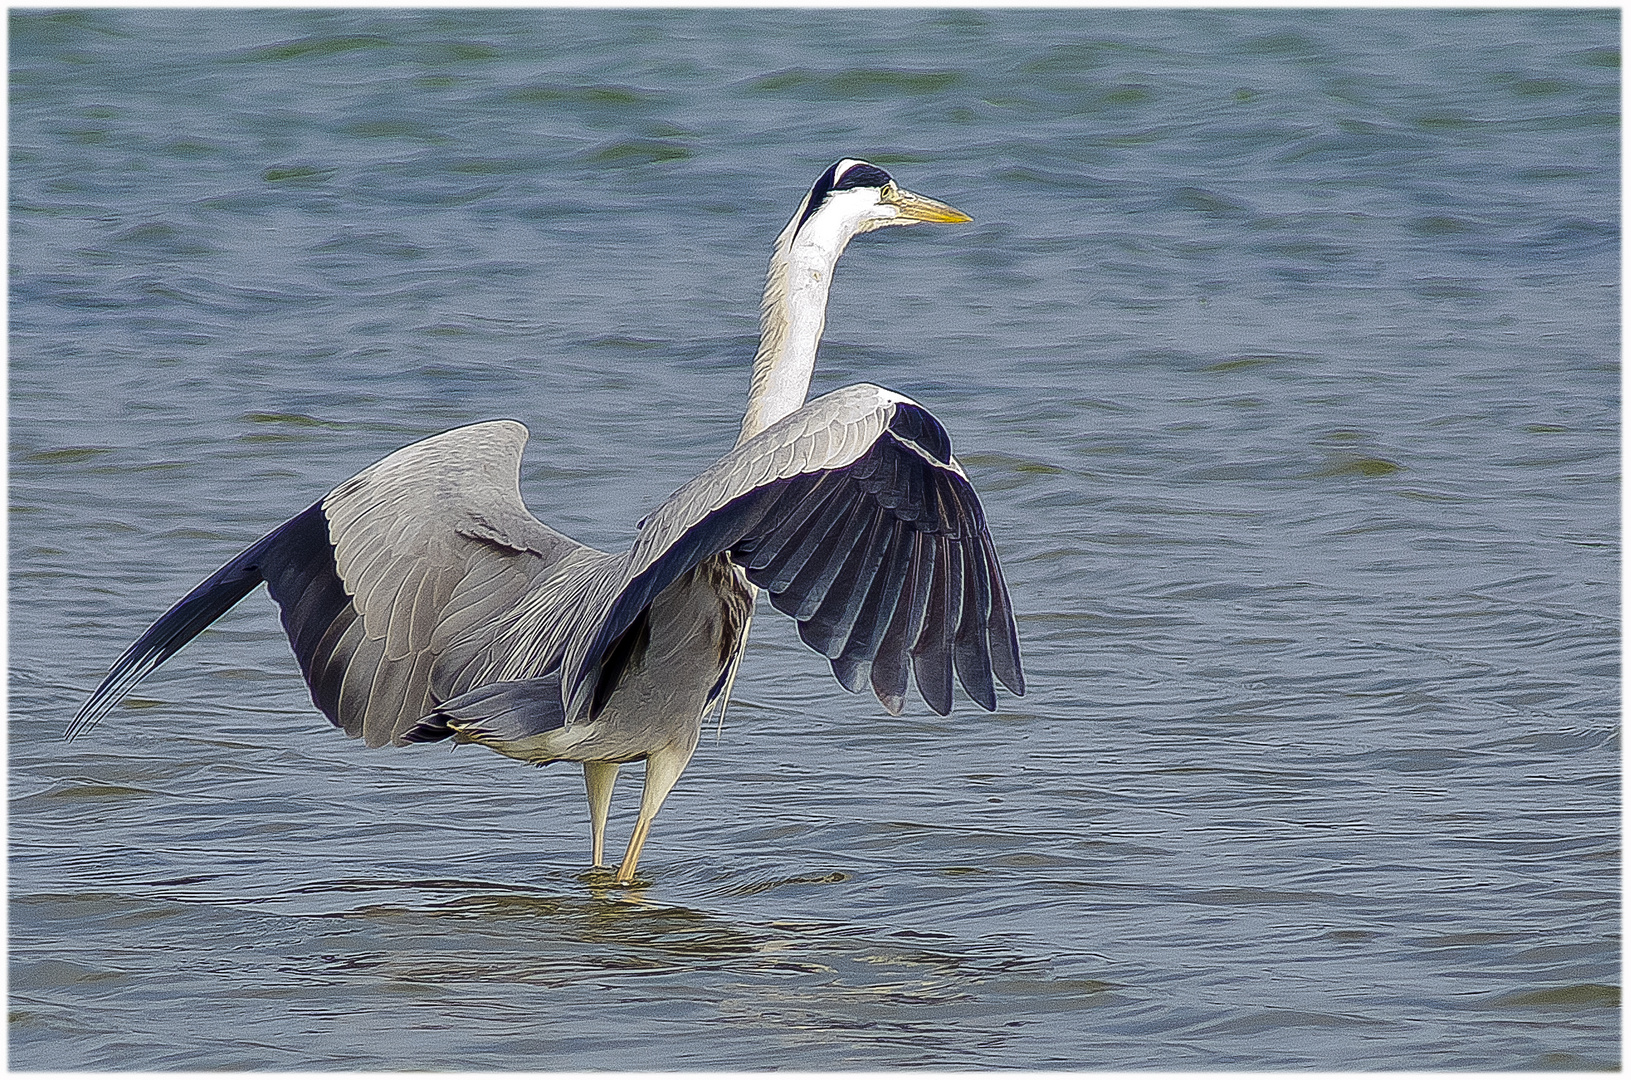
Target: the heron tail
(496, 714)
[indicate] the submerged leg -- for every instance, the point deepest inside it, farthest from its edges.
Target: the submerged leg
(598, 778)
(663, 769)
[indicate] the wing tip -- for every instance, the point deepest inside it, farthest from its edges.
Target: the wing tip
(137, 663)
(89, 715)
(82, 723)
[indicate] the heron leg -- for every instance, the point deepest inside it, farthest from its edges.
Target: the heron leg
(598, 778)
(663, 770)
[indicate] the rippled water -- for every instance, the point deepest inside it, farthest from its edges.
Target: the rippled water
(1283, 350)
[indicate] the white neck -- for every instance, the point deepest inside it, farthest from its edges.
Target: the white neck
(791, 318)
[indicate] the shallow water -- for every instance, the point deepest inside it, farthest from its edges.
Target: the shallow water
(1283, 351)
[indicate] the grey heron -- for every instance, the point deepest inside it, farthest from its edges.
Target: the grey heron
(424, 601)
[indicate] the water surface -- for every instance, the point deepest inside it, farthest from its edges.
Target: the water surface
(1283, 351)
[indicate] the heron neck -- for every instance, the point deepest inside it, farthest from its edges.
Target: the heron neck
(791, 319)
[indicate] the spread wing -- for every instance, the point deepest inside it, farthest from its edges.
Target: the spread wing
(378, 580)
(854, 516)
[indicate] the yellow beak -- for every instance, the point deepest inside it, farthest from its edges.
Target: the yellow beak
(914, 207)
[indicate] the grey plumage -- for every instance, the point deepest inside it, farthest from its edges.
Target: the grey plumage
(424, 601)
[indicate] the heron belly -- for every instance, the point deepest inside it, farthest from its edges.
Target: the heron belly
(675, 671)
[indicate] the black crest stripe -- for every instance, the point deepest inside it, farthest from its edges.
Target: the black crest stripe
(858, 175)
(862, 175)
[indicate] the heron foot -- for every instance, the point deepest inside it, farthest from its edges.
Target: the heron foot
(630, 882)
(598, 879)
(597, 876)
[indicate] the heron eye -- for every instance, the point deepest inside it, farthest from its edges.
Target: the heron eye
(889, 191)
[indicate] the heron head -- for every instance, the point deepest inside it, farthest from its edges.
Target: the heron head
(855, 196)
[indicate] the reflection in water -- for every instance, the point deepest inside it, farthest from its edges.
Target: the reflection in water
(828, 987)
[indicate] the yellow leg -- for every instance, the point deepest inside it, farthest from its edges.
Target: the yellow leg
(637, 840)
(663, 770)
(598, 778)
